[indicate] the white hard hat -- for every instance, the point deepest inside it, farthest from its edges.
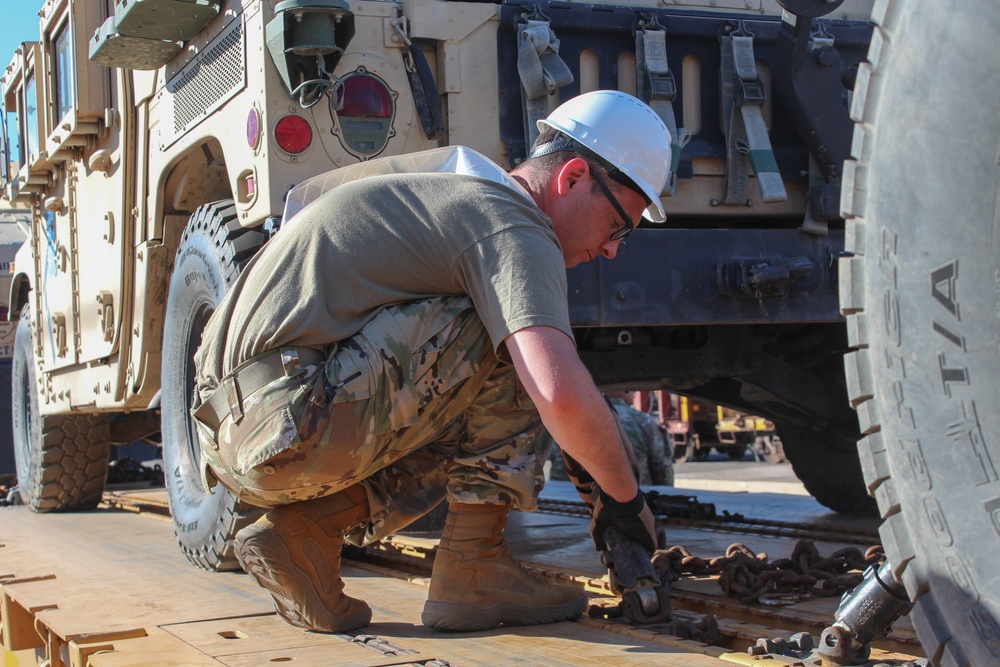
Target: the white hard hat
(627, 136)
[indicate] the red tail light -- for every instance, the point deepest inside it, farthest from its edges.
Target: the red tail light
(366, 97)
(365, 110)
(293, 134)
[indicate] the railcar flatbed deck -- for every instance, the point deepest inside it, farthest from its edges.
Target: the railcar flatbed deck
(110, 588)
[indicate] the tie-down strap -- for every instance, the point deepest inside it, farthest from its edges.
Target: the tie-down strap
(656, 86)
(541, 69)
(747, 140)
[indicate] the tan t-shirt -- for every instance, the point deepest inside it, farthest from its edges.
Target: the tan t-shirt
(385, 240)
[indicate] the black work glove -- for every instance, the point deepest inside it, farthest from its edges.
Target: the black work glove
(634, 519)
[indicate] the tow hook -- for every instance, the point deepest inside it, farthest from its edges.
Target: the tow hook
(645, 598)
(866, 613)
(762, 277)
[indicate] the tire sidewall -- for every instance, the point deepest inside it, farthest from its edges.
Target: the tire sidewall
(922, 296)
(24, 409)
(198, 283)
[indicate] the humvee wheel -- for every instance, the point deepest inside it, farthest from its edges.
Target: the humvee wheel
(827, 465)
(212, 252)
(62, 460)
(921, 297)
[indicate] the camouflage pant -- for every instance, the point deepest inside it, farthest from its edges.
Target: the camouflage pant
(415, 407)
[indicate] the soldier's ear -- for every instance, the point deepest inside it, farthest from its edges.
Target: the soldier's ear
(569, 174)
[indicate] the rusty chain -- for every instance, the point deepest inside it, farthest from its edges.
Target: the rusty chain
(751, 577)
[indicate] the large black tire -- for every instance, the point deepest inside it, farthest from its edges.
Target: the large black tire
(921, 295)
(62, 460)
(828, 466)
(213, 251)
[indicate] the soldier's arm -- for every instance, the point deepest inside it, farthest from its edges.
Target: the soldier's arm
(571, 407)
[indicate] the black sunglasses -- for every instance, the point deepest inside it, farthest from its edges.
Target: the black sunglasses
(629, 225)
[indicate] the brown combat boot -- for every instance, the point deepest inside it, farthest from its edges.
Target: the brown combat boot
(476, 584)
(294, 553)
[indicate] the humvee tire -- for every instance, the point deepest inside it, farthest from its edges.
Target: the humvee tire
(213, 251)
(828, 467)
(62, 460)
(921, 297)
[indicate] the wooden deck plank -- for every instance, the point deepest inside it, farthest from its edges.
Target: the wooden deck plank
(159, 648)
(97, 579)
(117, 571)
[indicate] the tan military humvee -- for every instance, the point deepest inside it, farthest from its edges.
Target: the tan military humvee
(158, 140)
(154, 143)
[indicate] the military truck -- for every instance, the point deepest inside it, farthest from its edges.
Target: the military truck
(690, 425)
(738, 432)
(159, 139)
(696, 427)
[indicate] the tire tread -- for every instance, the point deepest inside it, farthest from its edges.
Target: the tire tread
(938, 629)
(70, 452)
(76, 450)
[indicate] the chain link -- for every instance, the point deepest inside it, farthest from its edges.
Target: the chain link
(751, 578)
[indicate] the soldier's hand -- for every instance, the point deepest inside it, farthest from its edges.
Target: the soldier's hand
(634, 519)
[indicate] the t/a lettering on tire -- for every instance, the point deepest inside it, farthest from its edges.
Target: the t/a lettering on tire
(922, 298)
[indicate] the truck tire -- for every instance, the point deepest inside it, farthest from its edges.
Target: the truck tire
(62, 460)
(828, 468)
(213, 251)
(921, 296)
